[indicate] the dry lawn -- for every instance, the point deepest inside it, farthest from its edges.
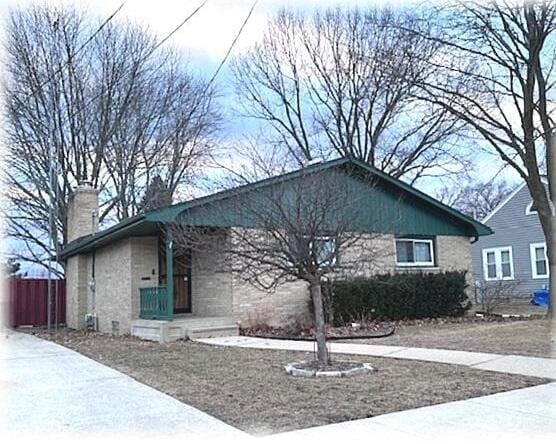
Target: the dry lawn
(249, 388)
(527, 338)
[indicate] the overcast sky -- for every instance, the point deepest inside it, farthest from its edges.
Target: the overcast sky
(208, 35)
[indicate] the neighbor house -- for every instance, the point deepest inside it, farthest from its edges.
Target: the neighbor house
(129, 278)
(516, 252)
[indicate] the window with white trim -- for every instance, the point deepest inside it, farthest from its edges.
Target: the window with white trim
(414, 252)
(498, 263)
(324, 249)
(531, 209)
(539, 260)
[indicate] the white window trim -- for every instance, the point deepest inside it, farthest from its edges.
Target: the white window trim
(334, 260)
(532, 248)
(498, 262)
(528, 210)
(415, 264)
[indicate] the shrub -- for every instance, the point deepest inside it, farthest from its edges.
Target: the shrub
(396, 296)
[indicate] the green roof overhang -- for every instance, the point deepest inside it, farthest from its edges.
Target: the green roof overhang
(148, 223)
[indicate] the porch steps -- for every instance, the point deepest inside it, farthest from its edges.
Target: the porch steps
(214, 332)
(184, 327)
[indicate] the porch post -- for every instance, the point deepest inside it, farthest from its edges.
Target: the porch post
(169, 274)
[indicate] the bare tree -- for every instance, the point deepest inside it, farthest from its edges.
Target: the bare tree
(496, 73)
(114, 110)
(342, 82)
(493, 294)
(306, 225)
(477, 199)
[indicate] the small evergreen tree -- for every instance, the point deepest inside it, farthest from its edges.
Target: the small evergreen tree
(157, 195)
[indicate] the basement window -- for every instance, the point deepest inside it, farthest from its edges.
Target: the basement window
(414, 252)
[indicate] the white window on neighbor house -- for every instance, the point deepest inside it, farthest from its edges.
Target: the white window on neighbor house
(531, 209)
(498, 263)
(539, 260)
(414, 252)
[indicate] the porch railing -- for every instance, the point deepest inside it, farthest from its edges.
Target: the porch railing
(154, 303)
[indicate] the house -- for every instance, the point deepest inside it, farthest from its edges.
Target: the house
(119, 276)
(516, 252)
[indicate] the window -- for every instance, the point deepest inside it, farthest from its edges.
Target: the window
(531, 209)
(539, 260)
(324, 249)
(498, 263)
(414, 252)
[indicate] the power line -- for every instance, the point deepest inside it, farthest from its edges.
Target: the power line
(72, 56)
(177, 28)
(153, 49)
(223, 61)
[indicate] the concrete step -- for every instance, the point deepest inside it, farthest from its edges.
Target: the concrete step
(204, 322)
(213, 332)
(183, 327)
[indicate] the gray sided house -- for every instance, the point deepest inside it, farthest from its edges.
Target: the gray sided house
(516, 252)
(131, 278)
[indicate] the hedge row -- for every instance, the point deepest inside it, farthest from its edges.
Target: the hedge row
(396, 296)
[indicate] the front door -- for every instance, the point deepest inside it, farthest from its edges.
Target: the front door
(182, 279)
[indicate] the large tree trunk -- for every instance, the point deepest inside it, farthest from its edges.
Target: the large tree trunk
(551, 237)
(552, 275)
(320, 334)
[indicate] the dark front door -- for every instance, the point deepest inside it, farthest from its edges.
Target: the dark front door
(182, 279)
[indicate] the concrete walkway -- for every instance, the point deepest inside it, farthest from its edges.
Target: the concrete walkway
(50, 391)
(520, 365)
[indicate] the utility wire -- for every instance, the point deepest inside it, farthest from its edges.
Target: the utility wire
(223, 61)
(153, 49)
(72, 56)
(177, 28)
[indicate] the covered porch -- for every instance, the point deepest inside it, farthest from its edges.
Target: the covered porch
(186, 303)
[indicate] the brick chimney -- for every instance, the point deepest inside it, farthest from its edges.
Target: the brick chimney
(82, 211)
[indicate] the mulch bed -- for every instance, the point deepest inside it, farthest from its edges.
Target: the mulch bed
(370, 330)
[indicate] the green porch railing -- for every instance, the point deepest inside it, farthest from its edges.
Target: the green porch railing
(154, 303)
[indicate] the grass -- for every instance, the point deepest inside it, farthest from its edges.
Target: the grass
(527, 338)
(249, 388)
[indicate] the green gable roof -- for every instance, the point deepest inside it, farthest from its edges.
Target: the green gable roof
(413, 211)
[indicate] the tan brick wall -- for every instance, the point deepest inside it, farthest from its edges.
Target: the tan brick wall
(454, 254)
(126, 266)
(77, 290)
(211, 285)
(290, 300)
(82, 212)
(144, 268)
(286, 303)
(113, 286)
(120, 270)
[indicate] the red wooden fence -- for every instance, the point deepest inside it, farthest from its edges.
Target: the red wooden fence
(28, 301)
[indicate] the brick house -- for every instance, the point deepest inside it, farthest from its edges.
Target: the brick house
(117, 278)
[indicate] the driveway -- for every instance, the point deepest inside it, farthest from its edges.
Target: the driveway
(49, 390)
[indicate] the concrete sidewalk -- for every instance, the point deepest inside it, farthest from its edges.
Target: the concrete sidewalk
(525, 415)
(51, 391)
(521, 365)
